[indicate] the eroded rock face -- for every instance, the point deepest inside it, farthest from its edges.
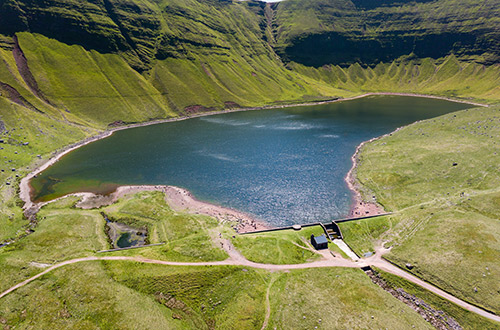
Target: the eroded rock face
(346, 48)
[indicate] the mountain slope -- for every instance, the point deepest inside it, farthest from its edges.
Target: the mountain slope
(132, 61)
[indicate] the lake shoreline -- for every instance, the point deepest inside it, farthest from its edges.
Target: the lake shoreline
(360, 206)
(178, 199)
(31, 208)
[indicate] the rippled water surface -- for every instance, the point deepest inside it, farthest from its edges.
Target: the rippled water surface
(284, 166)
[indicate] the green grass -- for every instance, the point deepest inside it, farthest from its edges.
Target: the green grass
(319, 32)
(67, 202)
(278, 247)
(129, 295)
(187, 237)
(334, 248)
(446, 217)
(363, 234)
(65, 232)
(61, 234)
(88, 89)
(336, 298)
(43, 135)
(466, 319)
(107, 88)
(83, 296)
(446, 221)
(443, 77)
(206, 297)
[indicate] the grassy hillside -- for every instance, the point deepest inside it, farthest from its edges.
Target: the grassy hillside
(118, 294)
(440, 177)
(127, 295)
(444, 77)
(133, 61)
(336, 299)
(466, 320)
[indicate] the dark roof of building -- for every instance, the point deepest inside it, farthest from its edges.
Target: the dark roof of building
(321, 239)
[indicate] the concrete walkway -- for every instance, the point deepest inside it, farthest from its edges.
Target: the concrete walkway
(346, 249)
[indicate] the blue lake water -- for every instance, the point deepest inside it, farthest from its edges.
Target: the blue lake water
(284, 166)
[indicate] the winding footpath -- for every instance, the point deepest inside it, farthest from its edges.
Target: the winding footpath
(236, 259)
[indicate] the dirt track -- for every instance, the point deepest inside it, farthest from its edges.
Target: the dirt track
(180, 197)
(236, 259)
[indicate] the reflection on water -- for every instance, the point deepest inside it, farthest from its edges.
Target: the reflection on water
(284, 166)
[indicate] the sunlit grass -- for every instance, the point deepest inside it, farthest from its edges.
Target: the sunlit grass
(440, 177)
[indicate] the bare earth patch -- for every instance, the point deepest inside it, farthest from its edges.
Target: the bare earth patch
(180, 200)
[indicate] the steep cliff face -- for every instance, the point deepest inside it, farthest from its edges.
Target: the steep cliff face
(86, 23)
(313, 33)
(140, 30)
(344, 32)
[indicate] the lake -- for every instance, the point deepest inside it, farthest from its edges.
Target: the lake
(284, 166)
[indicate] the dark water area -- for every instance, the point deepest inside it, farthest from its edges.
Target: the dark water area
(125, 241)
(124, 236)
(284, 166)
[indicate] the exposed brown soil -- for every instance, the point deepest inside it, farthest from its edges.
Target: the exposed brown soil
(24, 70)
(117, 123)
(183, 201)
(231, 105)
(360, 207)
(171, 302)
(13, 95)
(180, 200)
(193, 109)
(205, 69)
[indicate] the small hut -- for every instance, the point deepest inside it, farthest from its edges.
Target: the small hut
(319, 242)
